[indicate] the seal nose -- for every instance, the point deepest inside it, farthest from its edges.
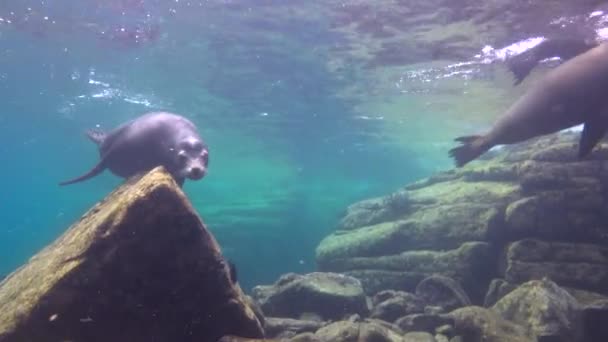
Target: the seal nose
(196, 173)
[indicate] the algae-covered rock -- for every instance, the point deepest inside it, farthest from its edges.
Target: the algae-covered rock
(138, 266)
(442, 291)
(578, 265)
(329, 295)
(471, 264)
(376, 210)
(423, 322)
(288, 327)
(466, 224)
(418, 336)
(376, 280)
(390, 305)
(498, 288)
(474, 208)
(559, 214)
(543, 309)
(477, 324)
(363, 331)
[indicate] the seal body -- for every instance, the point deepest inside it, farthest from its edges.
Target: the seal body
(573, 93)
(151, 140)
(565, 48)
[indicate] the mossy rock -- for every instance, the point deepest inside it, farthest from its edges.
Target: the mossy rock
(138, 266)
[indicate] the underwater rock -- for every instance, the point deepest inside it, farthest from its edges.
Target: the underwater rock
(330, 295)
(364, 331)
(138, 266)
(595, 321)
(466, 224)
(474, 323)
(420, 231)
(305, 337)
(446, 330)
(232, 338)
(287, 327)
(442, 291)
(374, 280)
(577, 265)
(375, 210)
(423, 322)
(542, 308)
(418, 336)
(573, 215)
(471, 264)
(498, 288)
(441, 338)
(389, 305)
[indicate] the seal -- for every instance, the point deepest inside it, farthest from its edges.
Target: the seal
(565, 48)
(150, 140)
(574, 93)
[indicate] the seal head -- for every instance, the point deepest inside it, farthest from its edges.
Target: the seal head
(191, 159)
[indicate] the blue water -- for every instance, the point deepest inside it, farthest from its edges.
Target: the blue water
(287, 154)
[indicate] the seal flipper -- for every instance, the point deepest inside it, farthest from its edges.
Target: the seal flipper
(96, 135)
(472, 147)
(593, 131)
(94, 172)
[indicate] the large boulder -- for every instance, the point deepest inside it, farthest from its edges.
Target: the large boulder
(595, 321)
(543, 309)
(331, 296)
(359, 331)
(138, 266)
(389, 305)
(441, 291)
(470, 264)
(475, 323)
(289, 327)
(521, 212)
(579, 265)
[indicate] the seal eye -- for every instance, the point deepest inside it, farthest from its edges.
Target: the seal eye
(197, 146)
(182, 156)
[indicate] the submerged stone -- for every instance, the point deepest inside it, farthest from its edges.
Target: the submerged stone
(445, 292)
(498, 288)
(595, 321)
(470, 264)
(138, 266)
(289, 327)
(329, 295)
(474, 323)
(365, 331)
(544, 309)
(390, 305)
(579, 265)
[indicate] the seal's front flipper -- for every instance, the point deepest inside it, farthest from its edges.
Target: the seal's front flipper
(94, 172)
(594, 129)
(472, 147)
(96, 135)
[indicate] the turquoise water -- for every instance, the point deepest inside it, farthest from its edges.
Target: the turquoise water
(287, 154)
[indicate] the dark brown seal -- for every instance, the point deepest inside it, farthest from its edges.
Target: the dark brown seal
(151, 140)
(565, 48)
(573, 93)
